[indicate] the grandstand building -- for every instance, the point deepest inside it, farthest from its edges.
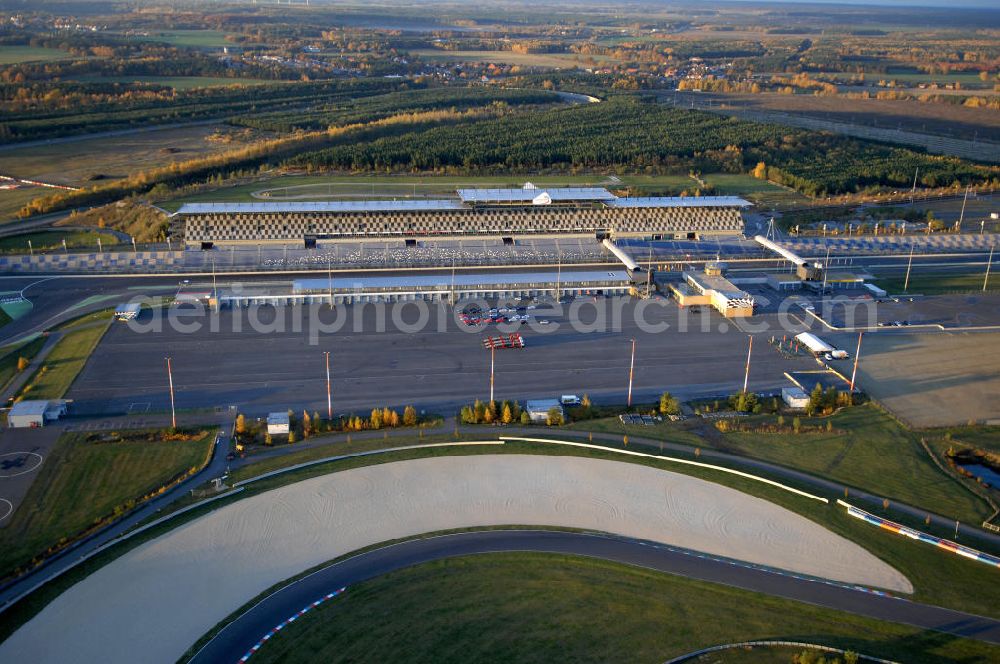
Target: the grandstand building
(507, 213)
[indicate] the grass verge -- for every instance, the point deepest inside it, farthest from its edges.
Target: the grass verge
(89, 479)
(467, 609)
(49, 240)
(867, 449)
(8, 363)
(60, 368)
(940, 283)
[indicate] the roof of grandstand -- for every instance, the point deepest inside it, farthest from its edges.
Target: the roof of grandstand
(522, 195)
(468, 196)
(679, 201)
(326, 206)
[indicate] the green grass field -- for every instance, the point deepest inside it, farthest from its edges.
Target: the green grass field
(573, 609)
(305, 187)
(875, 453)
(968, 80)
(177, 82)
(987, 438)
(79, 162)
(546, 60)
(10, 55)
(666, 431)
(940, 283)
(332, 449)
(328, 186)
(189, 38)
(48, 240)
(12, 200)
(66, 359)
(8, 362)
(82, 482)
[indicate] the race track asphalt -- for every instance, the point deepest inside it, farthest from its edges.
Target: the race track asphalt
(244, 632)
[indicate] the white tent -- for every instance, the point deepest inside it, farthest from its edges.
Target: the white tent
(813, 343)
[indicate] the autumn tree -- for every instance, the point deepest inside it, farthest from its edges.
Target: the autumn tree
(669, 404)
(409, 416)
(468, 415)
(554, 417)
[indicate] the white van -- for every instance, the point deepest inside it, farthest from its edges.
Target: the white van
(569, 400)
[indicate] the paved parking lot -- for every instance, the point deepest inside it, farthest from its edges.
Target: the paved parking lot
(969, 310)
(932, 379)
(261, 370)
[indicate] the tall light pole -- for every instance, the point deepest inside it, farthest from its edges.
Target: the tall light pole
(989, 264)
(961, 216)
(170, 380)
(329, 397)
(493, 352)
(631, 374)
(909, 264)
(558, 276)
(746, 377)
(857, 357)
(826, 268)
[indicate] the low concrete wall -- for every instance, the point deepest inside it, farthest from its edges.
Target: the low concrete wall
(121, 261)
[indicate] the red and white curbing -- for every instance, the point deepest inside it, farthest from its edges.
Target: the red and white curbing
(899, 529)
(257, 646)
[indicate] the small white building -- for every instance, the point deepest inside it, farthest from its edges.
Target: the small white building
(538, 410)
(35, 413)
(277, 423)
(794, 397)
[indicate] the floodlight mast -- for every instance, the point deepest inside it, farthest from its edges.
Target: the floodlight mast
(631, 374)
(746, 377)
(329, 396)
(170, 379)
(857, 357)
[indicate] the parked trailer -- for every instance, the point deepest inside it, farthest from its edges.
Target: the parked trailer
(513, 340)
